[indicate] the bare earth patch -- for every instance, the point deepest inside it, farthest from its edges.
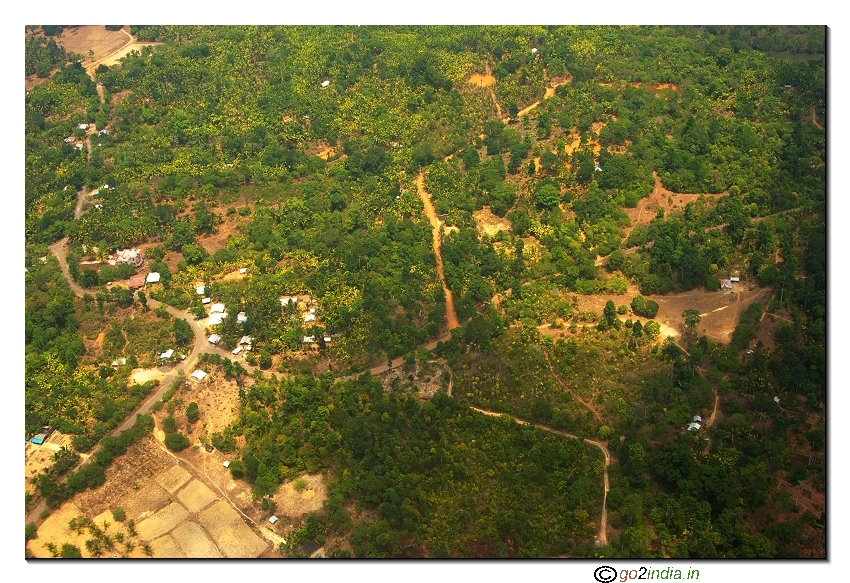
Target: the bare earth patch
(102, 42)
(296, 504)
(193, 541)
(162, 521)
(142, 375)
(481, 80)
(196, 496)
(173, 478)
(55, 530)
(662, 198)
(116, 57)
(490, 224)
(166, 548)
(230, 533)
(218, 403)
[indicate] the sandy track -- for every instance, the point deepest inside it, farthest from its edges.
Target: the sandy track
(451, 315)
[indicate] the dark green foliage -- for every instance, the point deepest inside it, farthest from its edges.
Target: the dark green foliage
(192, 412)
(183, 333)
(547, 196)
(70, 551)
(644, 307)
(176, 441)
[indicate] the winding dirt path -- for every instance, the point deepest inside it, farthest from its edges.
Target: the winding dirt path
(815, 118)
(602, 536)
(550, 92)
(436, 226)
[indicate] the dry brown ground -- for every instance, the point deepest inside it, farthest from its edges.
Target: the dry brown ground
(34, 80)
(115, 57)
(481, 80)
(82, 39)
(218, 403)
(39, 457)
(720, 311)
(178, 507)
(662, 198)
(427, 378)
(488, 223)
(322, 149)
(296, 504)
(142, 375)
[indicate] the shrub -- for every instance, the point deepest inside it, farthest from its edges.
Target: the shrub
(299, 485)
(644, 307)
(70, 551)
(192, 412)
(169, 425)
(237, 469)
(176, 441)
(118, 514)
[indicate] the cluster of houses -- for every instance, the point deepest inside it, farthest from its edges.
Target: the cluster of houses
(218, 314)
(310, 318)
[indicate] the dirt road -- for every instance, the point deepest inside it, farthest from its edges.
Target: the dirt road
(549, 92)
(815, 118)
(436, 226)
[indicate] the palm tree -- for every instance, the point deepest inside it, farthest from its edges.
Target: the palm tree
(146, 548)
(93, 547)
(54, 552)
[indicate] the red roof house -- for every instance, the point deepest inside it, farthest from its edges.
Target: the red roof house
(137, 281)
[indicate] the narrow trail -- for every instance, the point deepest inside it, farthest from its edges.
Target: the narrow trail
(549, 92)
(489, 73)
(815, 119)
(436, 226)
(602, 536)
(570, 391)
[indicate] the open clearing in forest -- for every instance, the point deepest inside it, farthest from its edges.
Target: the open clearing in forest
(295, 504)
(481, 80)
(218, 404)
(488, 223)
(116, 57)
(720, 310)
(662, 198)
(142, 375)
(82, 39)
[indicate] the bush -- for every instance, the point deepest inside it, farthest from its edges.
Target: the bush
(31, 531)
(118, 514)
(176, 441)
(192, 412)
(237, 469)
(299, 485)
(70, 551)
(169, 425)
(644, 307)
